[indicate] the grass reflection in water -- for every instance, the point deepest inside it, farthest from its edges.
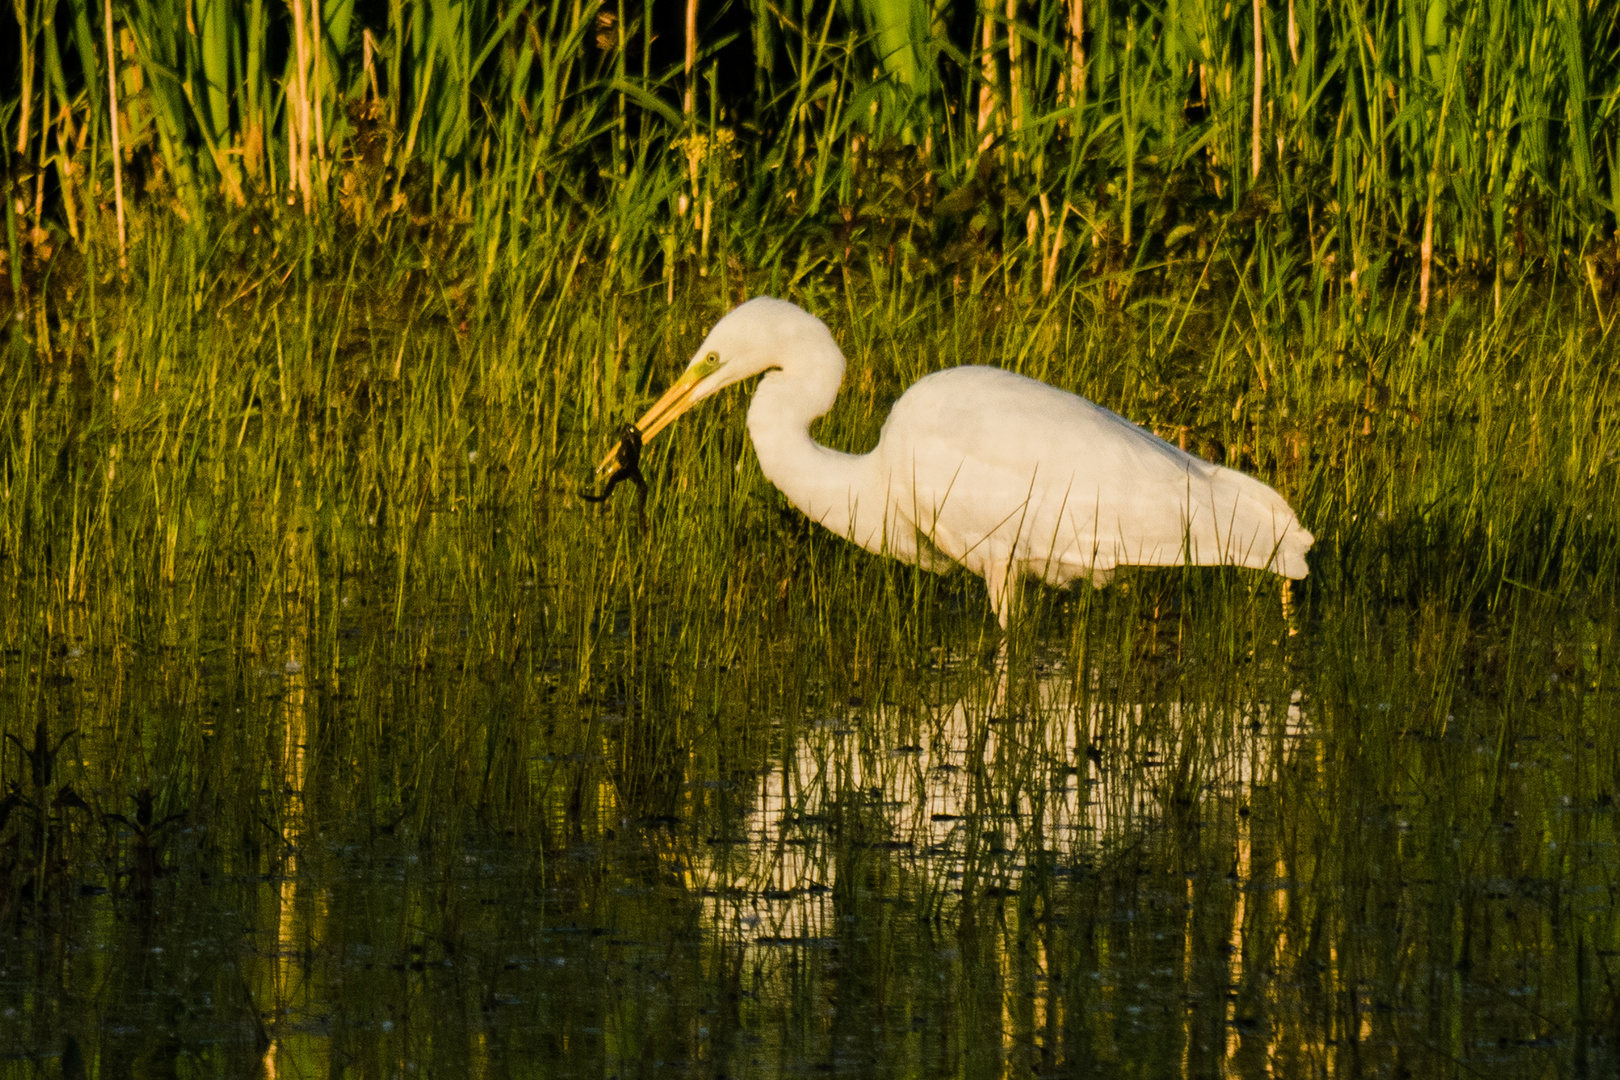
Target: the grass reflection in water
(1172, 865)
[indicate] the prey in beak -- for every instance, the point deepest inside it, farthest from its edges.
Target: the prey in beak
(676, 400)
(625, 458)
(628, 456)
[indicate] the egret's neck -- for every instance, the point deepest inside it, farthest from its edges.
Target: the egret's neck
(819, 480)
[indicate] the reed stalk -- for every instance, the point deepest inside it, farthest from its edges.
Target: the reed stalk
(1452, 148)
(113, 125)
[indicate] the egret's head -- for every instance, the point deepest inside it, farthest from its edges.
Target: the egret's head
(752, 339)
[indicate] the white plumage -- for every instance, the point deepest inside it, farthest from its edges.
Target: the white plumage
(983, 468)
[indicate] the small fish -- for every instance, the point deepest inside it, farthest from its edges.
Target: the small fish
(628, 457)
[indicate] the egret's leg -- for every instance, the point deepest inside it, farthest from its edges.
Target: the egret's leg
(1003, 584)
(999, 693)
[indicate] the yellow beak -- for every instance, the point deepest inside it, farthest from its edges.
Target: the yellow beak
(676, 400)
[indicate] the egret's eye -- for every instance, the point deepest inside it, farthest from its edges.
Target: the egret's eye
(706, 366)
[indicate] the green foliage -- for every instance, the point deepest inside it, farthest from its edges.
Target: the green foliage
(1474, 141)
(328, 699)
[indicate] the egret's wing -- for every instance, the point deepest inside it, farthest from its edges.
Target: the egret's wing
(995, 466)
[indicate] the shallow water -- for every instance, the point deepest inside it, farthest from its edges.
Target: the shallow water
(342, 738)
(1202, 836)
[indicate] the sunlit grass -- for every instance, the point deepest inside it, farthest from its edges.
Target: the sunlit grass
(295, 559)
(371, 454)
(1315, 145)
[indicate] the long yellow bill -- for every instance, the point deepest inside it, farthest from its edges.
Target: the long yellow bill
(676, 400)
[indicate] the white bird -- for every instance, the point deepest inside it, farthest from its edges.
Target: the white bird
(982, 468)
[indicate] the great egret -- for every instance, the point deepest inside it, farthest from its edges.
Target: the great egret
(981, 468)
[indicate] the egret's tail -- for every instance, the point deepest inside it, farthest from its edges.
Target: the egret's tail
(1254, 526)
(1289, 560)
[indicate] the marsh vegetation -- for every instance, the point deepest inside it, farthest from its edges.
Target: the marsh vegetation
(342, 734)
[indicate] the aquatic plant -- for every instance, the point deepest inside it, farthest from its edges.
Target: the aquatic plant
(1325, 140)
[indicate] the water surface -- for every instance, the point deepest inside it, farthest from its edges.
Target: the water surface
(1202, 836)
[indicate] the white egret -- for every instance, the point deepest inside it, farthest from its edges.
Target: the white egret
(982, 468)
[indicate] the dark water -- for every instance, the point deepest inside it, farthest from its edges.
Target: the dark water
(290, 835)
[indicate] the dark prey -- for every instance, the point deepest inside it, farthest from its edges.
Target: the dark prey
(629, 469)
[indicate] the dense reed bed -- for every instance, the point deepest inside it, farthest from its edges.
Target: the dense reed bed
(1449, 143)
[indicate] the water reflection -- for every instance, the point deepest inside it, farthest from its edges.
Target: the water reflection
(971, 809)
(1269, 867)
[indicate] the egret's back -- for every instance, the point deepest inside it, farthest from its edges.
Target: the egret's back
(1007, 475)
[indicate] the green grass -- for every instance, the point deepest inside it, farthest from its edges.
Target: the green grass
(1456, 146)
(294, 556)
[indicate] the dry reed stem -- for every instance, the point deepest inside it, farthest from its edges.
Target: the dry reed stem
(689, 100)
(987, 72)
(1259, 82)
(117, 154)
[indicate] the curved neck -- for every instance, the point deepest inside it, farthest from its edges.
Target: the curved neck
(819, 480)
